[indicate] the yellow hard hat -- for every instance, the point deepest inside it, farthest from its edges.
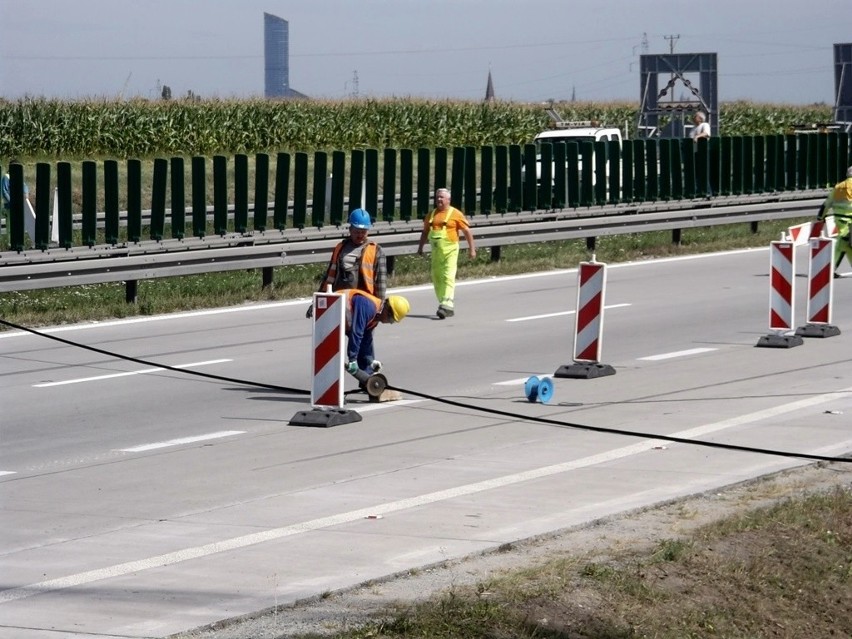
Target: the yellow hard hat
(399, 307)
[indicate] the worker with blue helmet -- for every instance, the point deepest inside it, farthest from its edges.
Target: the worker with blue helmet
(356, 262)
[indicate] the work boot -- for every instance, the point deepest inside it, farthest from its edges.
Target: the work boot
(441, 312)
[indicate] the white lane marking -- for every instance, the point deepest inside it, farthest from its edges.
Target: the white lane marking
(519, 380)
(381, 405)
(145, 371)
(7, 472)
(690, 351)
(535, 317)
(235, 543)
(183, 440)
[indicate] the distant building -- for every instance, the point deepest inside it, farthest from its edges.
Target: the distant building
(276, 58)
(489, 89)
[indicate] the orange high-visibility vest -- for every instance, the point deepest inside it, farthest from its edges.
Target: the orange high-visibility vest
(366, 268)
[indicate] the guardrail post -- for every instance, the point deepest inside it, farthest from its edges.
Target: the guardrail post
(111, 207)
(572, 173)
(320, 179)
(737, 168)
(529, 198)
(651, 170)
(89, 204)
(501, 179)
(240, 193)
(601, 162)
(627, 193)
(665, 170)
(821, 163)
(389, 186)
(44, 200)
(726, 151)
(714, 175)
(63, 192)
(515, 202)
(470, 180)
(300, 191)
(338, 181)
(178, 198)
(356, 181)
(158, 199)
(843, 156)
(833, 172)
(759, 163)
(16, 207)
(371, 183)
(640, 186)
(677, 169)
(424, 194)
(406, 184)
(748, 164)
(199, 196)
(486, 180)
(560, 176)
(220, 194)
(261, 191)
(282, 191)
(441, 167)
(687, 152)
(544, 178)
(587, 189)
(791, 161)
(702, 168)
(134, 200)
(457, 188)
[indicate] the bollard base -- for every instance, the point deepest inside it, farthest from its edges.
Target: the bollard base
(325, 418)
(584, 370)
(779, 341)
(818, 330)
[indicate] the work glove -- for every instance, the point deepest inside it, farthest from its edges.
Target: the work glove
(352, 368)
(310, 312)
(375, 366)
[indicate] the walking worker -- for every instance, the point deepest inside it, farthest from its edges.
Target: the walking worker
(363, 313)
(441, 228)
(839, 204)
(356, 262)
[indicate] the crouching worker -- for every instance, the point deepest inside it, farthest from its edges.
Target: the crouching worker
(363, 313)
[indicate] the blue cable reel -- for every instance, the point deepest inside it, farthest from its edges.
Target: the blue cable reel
(539, 389)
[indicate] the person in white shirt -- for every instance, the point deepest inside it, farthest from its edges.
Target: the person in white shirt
(701, 128)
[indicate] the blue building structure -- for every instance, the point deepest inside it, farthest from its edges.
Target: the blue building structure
(276, 58)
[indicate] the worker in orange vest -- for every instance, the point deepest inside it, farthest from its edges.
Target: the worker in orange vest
(356, 262)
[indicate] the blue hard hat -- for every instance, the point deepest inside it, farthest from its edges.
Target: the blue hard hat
(360, 219)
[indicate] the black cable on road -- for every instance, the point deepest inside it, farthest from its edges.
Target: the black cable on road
(450, 402)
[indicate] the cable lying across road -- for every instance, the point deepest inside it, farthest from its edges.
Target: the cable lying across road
(450, 402)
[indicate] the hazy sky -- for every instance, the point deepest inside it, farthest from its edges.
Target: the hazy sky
(535, 49)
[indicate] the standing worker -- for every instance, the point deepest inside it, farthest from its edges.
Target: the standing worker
(701, 128)
(441, 228)
(356, 262)
(363, 313)
(839, 204)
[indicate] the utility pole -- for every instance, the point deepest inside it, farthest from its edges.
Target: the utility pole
(355, 83)
(672, 39)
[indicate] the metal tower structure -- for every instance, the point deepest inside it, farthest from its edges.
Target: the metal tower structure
(662, 114)
(843, 85)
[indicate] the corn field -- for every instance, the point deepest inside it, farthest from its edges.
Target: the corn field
(34, 129)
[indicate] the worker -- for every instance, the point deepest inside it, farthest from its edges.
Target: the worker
(363, 313)
(441, 228)
(839, 204)
(356, 262)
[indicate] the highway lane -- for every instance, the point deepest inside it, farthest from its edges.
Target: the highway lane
(144, 504)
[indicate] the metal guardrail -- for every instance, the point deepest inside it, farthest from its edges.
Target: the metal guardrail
(129, 262)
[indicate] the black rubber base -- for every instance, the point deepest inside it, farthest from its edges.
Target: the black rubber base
(584, 370)
(325, 418)
(779, 341)
(818, 330)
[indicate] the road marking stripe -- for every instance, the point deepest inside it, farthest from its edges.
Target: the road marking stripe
(691, 351)
(145, 371)
(235, 543)
(535, 317)
(183, 440)
(7, 472)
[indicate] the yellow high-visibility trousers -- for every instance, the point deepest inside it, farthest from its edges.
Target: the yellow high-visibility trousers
(445, 259)
(843, 241)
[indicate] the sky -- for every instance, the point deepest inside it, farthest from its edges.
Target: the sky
(535, 50)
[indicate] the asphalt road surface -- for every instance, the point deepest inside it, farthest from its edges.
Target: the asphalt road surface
(138, 501)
